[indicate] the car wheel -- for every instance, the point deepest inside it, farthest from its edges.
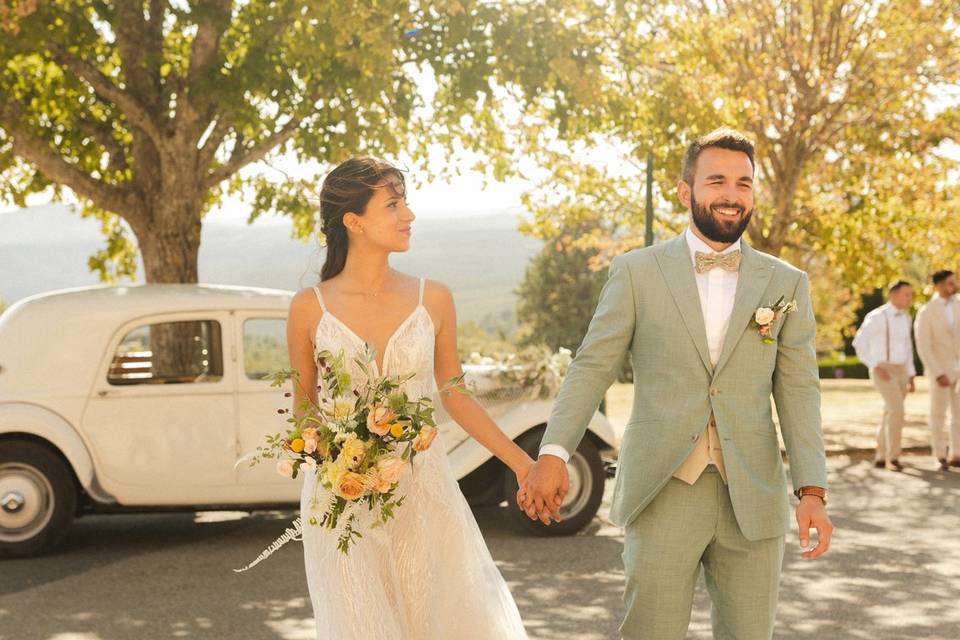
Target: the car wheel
(38, 498)
(586, 472)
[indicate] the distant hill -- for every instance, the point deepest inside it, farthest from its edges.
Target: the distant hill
(482, 258)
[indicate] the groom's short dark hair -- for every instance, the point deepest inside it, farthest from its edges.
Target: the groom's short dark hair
(722, 138)
(940, 276)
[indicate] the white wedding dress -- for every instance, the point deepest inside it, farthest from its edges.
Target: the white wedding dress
(426, 574)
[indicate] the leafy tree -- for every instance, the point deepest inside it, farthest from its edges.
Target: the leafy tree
(843, 98)
(559, 292)
(148, 111)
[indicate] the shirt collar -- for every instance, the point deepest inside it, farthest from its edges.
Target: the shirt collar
(696, 244)
(893, 311)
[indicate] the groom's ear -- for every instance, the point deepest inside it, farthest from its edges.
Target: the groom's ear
(683, 192)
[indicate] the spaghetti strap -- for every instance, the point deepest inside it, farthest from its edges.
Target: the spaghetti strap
(422, 282)
(316, 290)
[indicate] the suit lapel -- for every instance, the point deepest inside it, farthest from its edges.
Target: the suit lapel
(753, 281)
(676, 265)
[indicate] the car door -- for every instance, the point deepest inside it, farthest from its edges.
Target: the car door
(262, 341)
(161, 414)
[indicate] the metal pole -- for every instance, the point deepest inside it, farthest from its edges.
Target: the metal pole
(648, 240)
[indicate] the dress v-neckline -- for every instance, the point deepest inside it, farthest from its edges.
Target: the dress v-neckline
(386, 349)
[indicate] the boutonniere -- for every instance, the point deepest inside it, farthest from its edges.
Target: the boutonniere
(766, 316)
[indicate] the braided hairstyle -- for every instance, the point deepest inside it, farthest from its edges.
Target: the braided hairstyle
(348, 189)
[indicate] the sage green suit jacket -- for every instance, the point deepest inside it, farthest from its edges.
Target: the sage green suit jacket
(650, 308)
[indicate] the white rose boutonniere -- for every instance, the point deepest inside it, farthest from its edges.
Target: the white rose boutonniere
(766, 316)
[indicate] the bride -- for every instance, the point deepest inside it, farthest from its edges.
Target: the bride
(426, 573)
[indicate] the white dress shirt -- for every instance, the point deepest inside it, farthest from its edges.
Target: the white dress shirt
(884, 338)
(717, 289)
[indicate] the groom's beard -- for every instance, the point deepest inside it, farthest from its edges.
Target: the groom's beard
(714, 226)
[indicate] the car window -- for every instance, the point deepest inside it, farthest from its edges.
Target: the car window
(169, 353)
(264, 347)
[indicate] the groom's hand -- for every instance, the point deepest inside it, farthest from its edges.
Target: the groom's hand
(812, 514)
(545, 487)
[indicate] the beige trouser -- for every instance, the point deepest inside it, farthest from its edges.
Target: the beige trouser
(940, 399)
(894, 392)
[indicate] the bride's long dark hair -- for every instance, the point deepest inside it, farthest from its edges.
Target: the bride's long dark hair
(348, 189)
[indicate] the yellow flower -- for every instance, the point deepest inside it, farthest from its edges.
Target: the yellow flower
(353, 451)
(331, 471)
(297, 445)
(396, 430)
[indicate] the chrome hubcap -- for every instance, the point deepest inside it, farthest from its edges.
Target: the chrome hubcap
(12, 502)
(26, 502)
(581, 486)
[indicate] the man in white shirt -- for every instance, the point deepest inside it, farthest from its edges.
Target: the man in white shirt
(700, 483)
(884, 345)
(938, 344)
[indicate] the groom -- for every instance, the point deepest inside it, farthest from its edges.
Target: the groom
(700, 479)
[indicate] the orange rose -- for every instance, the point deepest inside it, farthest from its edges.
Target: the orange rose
(350, 486)
(379, 420)
(425, 438)
(297, 445)
(396, 430)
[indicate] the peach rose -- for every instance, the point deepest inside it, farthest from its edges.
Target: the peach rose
(285, 468)
(309, 445)
(379, 419)
(425, 438)
(764, 316)
(350, 486)
(380, 485)
(390, 469)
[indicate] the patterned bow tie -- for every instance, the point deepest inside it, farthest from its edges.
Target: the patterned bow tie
(728, 261)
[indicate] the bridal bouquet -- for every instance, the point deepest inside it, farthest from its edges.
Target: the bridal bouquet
(359, 440)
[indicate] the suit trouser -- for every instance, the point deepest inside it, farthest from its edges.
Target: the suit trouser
(894, 393)
(684, 527)
(940, 399)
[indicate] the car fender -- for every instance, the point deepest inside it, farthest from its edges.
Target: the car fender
(34, 420)
(469, 454)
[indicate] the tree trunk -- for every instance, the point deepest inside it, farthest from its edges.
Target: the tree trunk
(170, 247)
(170, 242)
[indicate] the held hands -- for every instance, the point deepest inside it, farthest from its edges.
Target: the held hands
(911, 386)
(542, 491)
(812, 514)
(943, 380)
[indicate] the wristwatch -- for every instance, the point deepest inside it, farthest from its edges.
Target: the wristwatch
(812, 491)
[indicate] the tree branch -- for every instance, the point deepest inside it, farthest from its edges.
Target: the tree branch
(137, 115)
(35, 150)
(242, 158)
(209, 149)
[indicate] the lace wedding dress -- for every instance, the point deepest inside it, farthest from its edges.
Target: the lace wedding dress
(426, 574)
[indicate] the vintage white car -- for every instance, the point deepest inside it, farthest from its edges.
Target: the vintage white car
(145, 397)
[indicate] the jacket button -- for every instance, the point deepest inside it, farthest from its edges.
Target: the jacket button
(694, 437)
(714, 392)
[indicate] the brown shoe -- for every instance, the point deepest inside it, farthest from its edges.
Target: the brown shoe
(944, 465)
(894, 465)
(879, 464)
(955, 462)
